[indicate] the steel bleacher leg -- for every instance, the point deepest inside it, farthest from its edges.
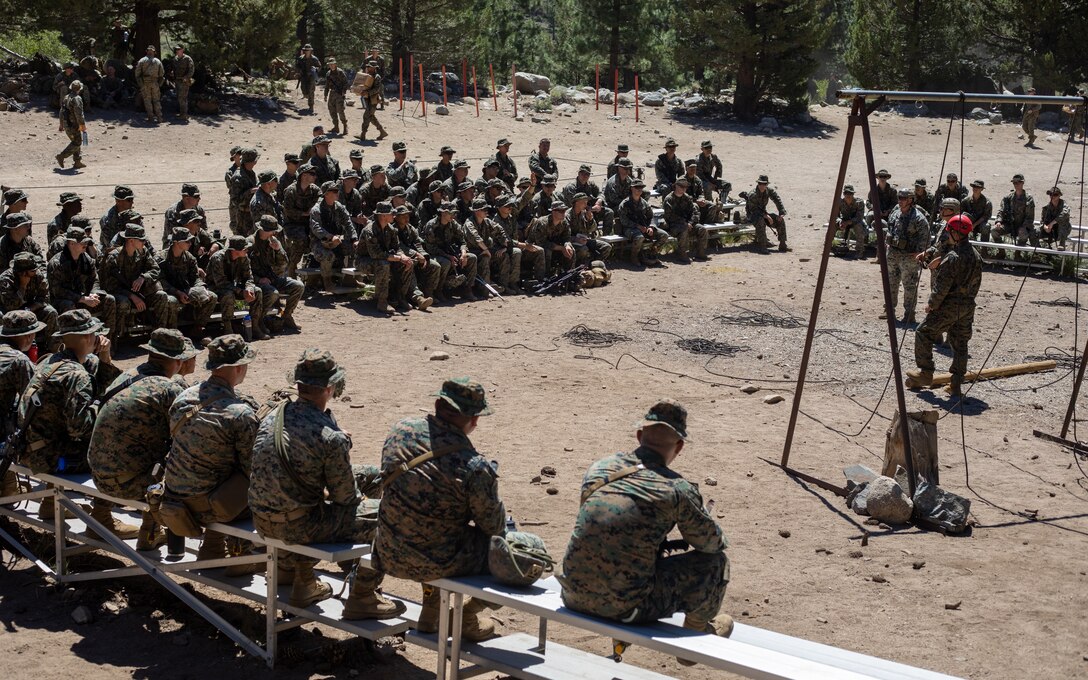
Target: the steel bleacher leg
(271, 599)
(455, 652)
(59, 527)
(542, 635)
(443, 631)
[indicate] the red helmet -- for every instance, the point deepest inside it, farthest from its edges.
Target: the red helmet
(961, 224)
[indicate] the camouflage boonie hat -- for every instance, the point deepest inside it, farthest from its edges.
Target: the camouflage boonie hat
(383, 208)
(549, 180)
(503, 142)
(350, 174)
(250, 155)
(465, 395)
(446, 150)
(400, 146)
(307, 169)
(465, 186)
(123, 193)
(1017, 178)
(377, 170)
(507, 202)
(13, 196)
(670, 142)
(331, 185)
(77, 322)
(524, 181)
(355, 153)
(318, 368)
(447, 207)
(330, 60)
(706, 144)
(188, 216)
(20, 322)
(492, 163)
(951, 204)
(585, 168)
(320, 139)
(307, 46)
(952, 177)
(69, 197)
(623, 148)
(496, 183)
(24, 262)
(267, 176)
(670, 414)
(228, 350)
(16, 220)
(848, 189)
(180, 235)
(691, 163)
(625, 163)
(75, 234)
(763, 179)
(905, 193)
(170, 343)
(518, 558)
(190, 190)
(401, 210)
(559, 206)
(130, 216)
(682, 182)
(291, 158)
(1054, 191)
(479, 204)
(435, 186)
(134, 231)
(237, 243)
(81, 221)
(883, 173)
(235, 150)
(921, 182)
(396, 192)
(637, 184)
(269, 223)
(461, 164)
(580, 196)
(979, 183)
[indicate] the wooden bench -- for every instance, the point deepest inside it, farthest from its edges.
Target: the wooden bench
(264, 589)
(749, 652)
(308, 275)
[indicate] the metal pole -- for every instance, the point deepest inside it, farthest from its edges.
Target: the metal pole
(514, 85)
(475, 91)
(597, 90)
(615, 91)
(636, 97)
(422, 96)
(955, 97)
(855, 114)
(1076, 393)
(400, 78)
(411, 75)
(889, 298)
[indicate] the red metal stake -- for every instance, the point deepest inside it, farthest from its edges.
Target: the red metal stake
(597, 90)
(422, 97)
(444, 102)
(494, 93)
(615, 91)
(514, 84)
(475, 92)
(636, 97)
(400, 78)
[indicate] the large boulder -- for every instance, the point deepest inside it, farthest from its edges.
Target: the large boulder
(627, 97)
(694, 100)
(887, 501)
(605, 96)
(653, 99)
(531, 83)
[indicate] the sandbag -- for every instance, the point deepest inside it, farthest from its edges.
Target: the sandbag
(922, 426)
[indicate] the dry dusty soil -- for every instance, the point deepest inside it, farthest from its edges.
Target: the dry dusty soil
(798, 563)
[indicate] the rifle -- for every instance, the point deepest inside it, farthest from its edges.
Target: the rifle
(14, 444)
(567, 282)
(489, 287)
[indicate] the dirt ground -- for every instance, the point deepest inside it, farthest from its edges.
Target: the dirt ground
(1019, 577)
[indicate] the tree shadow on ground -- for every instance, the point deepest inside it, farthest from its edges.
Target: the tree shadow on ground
(817, 129)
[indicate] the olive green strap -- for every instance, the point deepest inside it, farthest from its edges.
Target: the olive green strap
(419, 460)
(615, 476)
(281, 450)
(188, 415)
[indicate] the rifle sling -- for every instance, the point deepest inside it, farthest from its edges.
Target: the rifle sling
(188, 415)
(278, 441)
(419, 460)
(614, 477)
(116, 390)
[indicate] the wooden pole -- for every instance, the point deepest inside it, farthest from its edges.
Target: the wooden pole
(400, 79)
(494, 92)
(615, 91)
(636, 97)
(422, 97)
(464, 77)
(997, 372)
(475, 91)
(444, 101)
(514, 84)
(597, 90)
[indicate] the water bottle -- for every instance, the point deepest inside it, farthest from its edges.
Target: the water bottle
(175, 545)
(247, 328)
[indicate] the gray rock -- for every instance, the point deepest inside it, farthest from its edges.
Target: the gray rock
(82, 614)
(773, 399)
(653, 99)
(441, 110)
(531, 83)
(984, 122)
(627, 97)
(909, 109)
(978, 113)
(859, 474)
(432, 97)
(588, 90)
(804, 118)
(694, 100)
(581, 98)
(769, 122)
(887, 501)
(604, 96)
(749, 389)
(564, 108)
(859, 500)
(997, 118)
(439, 356)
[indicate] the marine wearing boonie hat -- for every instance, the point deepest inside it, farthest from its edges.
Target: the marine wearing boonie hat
(670, 414)
(123, 193)
(227, 350)
(170, 343)
(317, 368)
(20, 322)
(78, 322)
(466, 396)
(69, 197)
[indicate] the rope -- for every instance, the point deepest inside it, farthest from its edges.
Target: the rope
(584, 336)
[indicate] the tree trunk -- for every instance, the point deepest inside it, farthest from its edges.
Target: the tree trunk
(914, 49)
(613, 44)
(746, 96)
(145, 30)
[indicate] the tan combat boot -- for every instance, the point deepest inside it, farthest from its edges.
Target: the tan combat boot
(917, 378)
(151, 534)
(721, 625)
(428, 614)
(306, 589)
(476, 626)
(46, 510)
(366, 601)
(101, 511)
(328, 283)
(9, 486)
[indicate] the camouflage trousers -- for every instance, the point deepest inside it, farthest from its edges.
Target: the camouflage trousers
(723, 188)
(685, 234)
(336, 110)
(308, 87)
(133, 488)
(152, 100)
(232, 212)
(981, 232)
(228, 297)
(105, 311)
(760, 225)
(659, 238)
(606, 218)
(531, 261)
(183, 98)
(75, 144)
(954, 317)
(428, 276)
(1023, 235)
(556, 259)
(506, 268)
(158, 310)
(290, 289)
(201, 301)
(903, 268)
(483, 264)
(1028, 124)
(243, 221)
(592, 249)
(45, 455)
(693, 583)
(857, 228)
(470, 559)
(391, 280)
(1058, 234)
(296, 248)
(369, 118)
(332, 258)
(447, 266)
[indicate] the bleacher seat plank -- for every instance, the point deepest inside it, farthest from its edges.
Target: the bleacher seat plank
(514, 654)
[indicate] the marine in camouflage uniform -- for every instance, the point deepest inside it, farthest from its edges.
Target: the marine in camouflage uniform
(184, 70)
(598, 209)
(852, 218)
(71, 204)
(524, 255)
(213, 427)
(923, 199)
(451, 187)
(1054, 222)
(264, 201)
(351, 199)
(1030, 118)
(132, 432)
(73, 280)
(298, 199)
(16, 370)
(709, 171)
(300, 454)
(667, 168)
(446, 243)
(332, 234)
(180, 278)
(682, 220)
(1016, 217)
(436, 520)
(443, 170)
(290, 174)
(372, 97)
(380, 255)
(336, 88)
(540, 163)
(66, 384)
(326, 167)
(17, 239)
(950, 189)
(757, 214)
(269, 263)
(618, 188)
(307, 65)
(630, 502)
(427, 270)
(908, 235)
(131, 275)
(622, 150)
(401, 172)
(74, 125)
(951, 308)
(552, 233)
(375, 191)
(508, 169)
(979, 208)
(583, 231)
(230, 277)
(636, 220)
(150, 76)
(23, 285)
(110, 223)
(886, 195)
(243, 185)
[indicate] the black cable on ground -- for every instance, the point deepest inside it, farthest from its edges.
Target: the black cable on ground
(584, 336)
